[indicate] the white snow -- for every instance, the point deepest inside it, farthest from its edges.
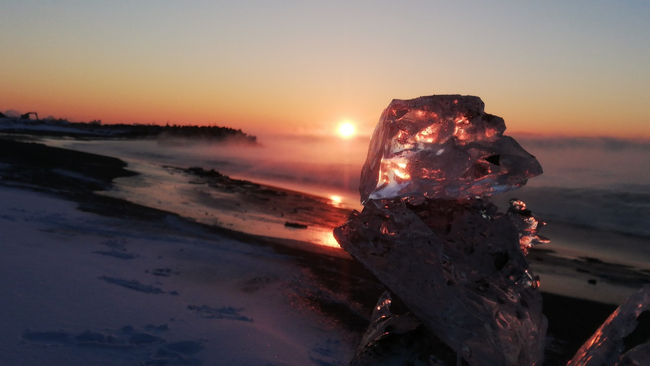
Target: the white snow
(72, 281)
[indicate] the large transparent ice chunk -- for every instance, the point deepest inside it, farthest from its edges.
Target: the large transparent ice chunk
(442, 146)
(428, 235)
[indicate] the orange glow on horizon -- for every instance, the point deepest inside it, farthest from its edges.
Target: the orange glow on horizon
(67, 104)
(291, 72)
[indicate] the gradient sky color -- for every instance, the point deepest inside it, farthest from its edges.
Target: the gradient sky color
(547, 67)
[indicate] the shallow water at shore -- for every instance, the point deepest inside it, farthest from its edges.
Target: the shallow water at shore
(264, 213)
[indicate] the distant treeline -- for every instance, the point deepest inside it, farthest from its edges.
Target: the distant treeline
(62, 127)
(189, 131)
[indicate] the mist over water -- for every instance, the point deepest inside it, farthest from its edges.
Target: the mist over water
(597, 182)
(325, 164)
(591, 162)
(601, 183)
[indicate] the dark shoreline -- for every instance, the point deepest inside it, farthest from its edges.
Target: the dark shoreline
(78, 176)
(94, 130)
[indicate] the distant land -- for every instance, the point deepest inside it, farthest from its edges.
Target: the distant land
(56, 127)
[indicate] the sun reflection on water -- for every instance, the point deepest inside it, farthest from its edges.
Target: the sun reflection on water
(328, 240)
(336, 200)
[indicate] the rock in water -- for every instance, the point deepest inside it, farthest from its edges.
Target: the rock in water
(427, 234)
(623, 339)
(442, 146)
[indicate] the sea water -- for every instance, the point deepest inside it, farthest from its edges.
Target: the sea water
(594, 194)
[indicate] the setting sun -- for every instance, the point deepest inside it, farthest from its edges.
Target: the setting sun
(346, 130)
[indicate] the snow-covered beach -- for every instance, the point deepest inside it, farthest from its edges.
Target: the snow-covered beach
(82, 289)
(143, 287)
(95, 273)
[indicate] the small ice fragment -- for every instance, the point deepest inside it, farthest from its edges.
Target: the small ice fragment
(529, 280)
(399, 338)
(623, 339)
(528, 225)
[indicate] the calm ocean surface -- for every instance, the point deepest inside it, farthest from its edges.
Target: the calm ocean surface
(594, 194)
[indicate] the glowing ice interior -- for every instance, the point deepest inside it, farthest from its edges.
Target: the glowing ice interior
(442, 146)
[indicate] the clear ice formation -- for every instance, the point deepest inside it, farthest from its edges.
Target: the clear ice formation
(459, 268)
(527, 224)
(430, 236)
(442, 146)
(623, 339)
(399, 338)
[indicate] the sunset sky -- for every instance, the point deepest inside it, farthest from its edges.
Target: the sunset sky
(546, 67)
